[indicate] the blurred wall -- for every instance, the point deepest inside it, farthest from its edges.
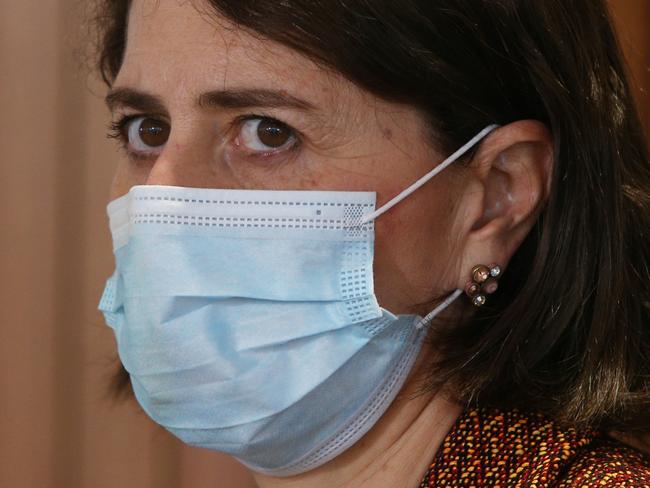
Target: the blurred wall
(57, 426)
(632, 19)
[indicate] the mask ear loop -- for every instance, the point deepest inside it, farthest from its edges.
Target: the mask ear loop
(426, 320)
(364, 219)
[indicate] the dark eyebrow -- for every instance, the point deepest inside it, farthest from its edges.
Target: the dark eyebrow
(251, 98)
(212, 99)
(134, 99)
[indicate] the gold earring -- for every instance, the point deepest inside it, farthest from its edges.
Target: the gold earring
(484, 281)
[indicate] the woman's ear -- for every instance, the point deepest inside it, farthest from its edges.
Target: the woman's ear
(510, 182)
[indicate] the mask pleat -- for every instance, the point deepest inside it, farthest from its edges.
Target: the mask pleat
(206, 397)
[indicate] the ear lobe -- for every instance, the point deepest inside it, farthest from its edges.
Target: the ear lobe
(514, 168)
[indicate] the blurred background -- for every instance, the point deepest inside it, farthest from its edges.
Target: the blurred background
(58, 425)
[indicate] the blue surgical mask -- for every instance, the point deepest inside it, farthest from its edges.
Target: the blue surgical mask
(248, 322)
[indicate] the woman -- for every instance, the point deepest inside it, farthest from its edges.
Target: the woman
(383, 243)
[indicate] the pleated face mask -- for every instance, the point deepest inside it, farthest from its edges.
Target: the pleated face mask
(248, 322)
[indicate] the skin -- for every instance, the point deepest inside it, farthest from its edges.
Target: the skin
(349, 140)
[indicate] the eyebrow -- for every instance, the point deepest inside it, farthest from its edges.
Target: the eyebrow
(145, 102)
(127, 97)
(251, 98)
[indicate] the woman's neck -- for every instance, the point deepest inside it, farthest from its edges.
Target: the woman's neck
(396, 451)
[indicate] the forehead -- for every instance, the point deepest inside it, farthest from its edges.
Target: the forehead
(185, 46)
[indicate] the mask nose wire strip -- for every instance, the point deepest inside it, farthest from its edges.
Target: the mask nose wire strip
(406, 192)
(428, 317)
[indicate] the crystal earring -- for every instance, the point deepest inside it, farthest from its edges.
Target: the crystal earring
(484, 282)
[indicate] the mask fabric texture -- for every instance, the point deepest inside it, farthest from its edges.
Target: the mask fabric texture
(247, 319)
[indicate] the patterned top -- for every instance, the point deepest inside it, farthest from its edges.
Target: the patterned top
(510, 449)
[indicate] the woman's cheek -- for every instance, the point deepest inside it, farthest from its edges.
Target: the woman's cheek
(126, 176)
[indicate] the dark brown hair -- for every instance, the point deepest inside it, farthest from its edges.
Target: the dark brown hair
(568, 333)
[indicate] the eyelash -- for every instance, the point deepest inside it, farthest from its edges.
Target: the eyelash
(117, 131)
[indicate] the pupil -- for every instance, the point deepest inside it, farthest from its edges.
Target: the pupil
(153, 132)
(272, 133)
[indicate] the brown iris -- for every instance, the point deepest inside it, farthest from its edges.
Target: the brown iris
(273, 133)
(153, 132)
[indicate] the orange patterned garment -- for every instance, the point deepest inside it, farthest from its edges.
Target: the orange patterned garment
(510, 449)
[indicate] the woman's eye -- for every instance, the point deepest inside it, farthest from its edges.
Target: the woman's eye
(262, 134)
(146, 135)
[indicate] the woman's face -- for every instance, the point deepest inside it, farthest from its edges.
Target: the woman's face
(212, 106)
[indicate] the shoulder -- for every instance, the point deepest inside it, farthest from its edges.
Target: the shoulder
(606, 462)
(491, 447)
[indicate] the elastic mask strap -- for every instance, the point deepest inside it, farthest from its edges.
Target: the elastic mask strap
(405, 193)
(431, 315)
